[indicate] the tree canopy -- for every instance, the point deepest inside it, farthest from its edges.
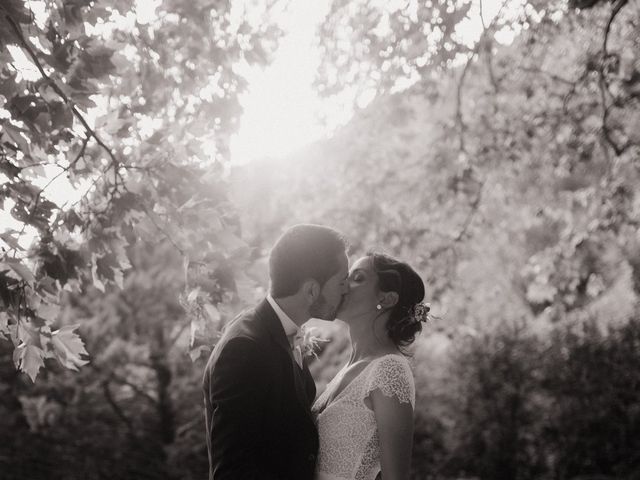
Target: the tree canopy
(135, 115)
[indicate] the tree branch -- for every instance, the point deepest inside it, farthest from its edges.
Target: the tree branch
(117, 410)
(472, 212)
(603, 83)
(552, 76)
(492, 76)
(123, 381)
(616, 9)
(474, 52)
(64, 170)
(619, 150)
(23, 41)
(162, 230)
(136, 389)
(39, 194)
(41, 191)
(484, 25)
(459, 120)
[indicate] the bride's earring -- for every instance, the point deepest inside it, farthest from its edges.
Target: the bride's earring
(378, 307)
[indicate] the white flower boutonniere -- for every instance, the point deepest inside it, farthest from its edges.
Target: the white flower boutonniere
(306, 344)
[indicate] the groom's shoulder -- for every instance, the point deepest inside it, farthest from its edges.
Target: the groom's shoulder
(245, 325)
(243, 330)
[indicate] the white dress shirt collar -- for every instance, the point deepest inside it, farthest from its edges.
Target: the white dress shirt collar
(290, 328)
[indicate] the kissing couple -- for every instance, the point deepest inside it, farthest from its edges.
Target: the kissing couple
(261, 418)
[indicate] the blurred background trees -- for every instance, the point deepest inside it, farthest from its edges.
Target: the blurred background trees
(506, 172)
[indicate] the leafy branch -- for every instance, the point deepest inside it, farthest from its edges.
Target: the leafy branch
(614, 12)
(36, 200)
(30, 50)
(152, 218)
(64, 170)
(603, 82)
(474, 52)
(474, 207)
(115, 163)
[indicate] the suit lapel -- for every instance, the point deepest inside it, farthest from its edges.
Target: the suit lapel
(301, 378)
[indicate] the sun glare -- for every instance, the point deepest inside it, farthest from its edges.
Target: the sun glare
(282, 111)
(280, 107)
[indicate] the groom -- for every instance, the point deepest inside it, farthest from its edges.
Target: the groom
(257, 396)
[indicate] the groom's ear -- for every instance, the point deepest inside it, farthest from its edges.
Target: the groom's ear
(389, 299)
(311, 290)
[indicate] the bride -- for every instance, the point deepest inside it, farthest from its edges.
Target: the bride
(365, 415)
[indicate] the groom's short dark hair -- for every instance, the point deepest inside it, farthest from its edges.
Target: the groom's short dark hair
(302, 252)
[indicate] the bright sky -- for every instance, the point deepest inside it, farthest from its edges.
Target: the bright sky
(281, 108)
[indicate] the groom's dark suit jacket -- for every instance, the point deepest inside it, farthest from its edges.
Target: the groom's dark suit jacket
(258, 401)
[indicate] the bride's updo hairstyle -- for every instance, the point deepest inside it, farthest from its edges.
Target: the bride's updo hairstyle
(396, 276)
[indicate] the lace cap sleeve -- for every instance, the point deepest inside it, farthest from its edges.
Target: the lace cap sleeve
(393, 377)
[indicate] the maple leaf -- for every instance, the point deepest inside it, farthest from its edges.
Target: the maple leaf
(68, 347)
(20, 272)
(49, 311)
(29, 359)
(28, 333)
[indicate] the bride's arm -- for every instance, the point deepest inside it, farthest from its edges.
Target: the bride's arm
(395, 431)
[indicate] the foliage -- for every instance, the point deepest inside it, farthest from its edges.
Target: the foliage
(133, 116)
(498, 406)
(594, 422)
(373, 44)
(560, 406)
(135, 411)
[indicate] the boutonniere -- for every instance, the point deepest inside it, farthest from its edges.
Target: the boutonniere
(307, 343)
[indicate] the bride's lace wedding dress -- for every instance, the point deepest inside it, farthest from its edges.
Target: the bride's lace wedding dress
(349, 445)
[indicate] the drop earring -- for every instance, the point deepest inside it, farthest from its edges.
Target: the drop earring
(378, 307)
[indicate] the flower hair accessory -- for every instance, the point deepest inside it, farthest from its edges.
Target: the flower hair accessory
(420, 312)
